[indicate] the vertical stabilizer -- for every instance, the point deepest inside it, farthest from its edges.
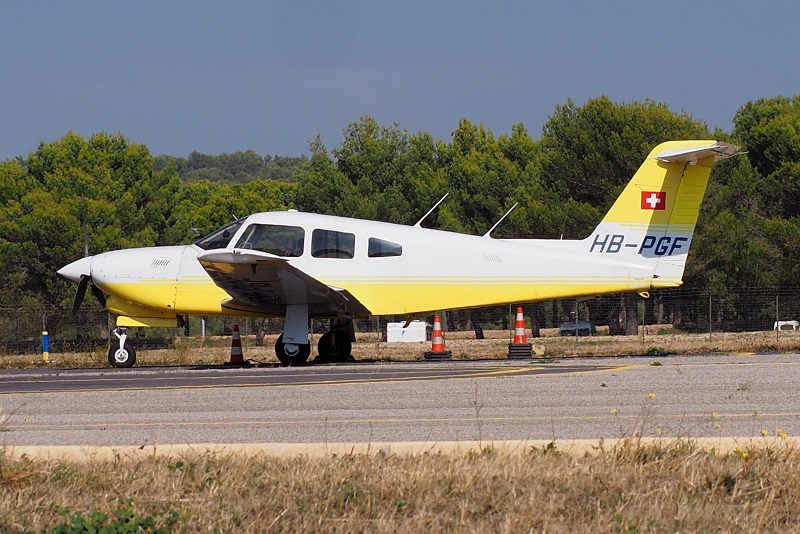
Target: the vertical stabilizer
(651, 223)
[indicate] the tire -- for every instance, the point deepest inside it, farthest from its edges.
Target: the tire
(291, 359)
(122, 358)
(334, 347)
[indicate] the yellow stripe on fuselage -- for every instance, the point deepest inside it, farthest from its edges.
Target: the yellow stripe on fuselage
(382, 296)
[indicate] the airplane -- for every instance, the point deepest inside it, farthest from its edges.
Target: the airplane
(303, 265)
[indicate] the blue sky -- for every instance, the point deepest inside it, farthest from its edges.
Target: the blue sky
(219, 77)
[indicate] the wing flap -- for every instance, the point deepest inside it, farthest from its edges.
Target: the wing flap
(260, 282)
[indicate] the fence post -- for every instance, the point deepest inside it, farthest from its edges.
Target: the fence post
(709, 315)
(510, 322)
(644, 316)
(777, 318)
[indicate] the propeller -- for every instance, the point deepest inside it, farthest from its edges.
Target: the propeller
(99, 295)
(86, 280)
(80, 293)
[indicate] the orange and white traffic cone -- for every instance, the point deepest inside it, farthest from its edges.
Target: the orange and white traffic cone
(237, 358)
(519, 328)
(519, 348)
(437, 351)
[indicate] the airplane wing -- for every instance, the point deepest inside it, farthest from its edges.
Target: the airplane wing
(260, 282)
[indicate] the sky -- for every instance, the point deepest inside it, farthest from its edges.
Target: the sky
(220, 77)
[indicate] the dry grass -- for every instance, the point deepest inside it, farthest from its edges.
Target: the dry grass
(631, 488)
(216, 350)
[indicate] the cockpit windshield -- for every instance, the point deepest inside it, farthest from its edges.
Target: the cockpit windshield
(221, 237)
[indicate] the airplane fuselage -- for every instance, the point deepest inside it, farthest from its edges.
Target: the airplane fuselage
(427, 270)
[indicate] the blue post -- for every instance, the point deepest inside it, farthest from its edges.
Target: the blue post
(45, 347)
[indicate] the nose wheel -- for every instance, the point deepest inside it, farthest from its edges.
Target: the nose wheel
(122, 355)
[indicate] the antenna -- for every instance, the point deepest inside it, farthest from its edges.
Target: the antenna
(501, 220)
(430, 210)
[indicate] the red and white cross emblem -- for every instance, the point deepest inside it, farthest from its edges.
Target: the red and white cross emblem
(654, 200)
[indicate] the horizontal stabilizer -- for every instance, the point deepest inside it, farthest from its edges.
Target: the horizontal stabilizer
(692, 155)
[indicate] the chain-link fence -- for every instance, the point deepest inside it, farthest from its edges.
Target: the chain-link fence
(664, 312)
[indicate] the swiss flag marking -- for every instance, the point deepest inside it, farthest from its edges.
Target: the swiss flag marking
(654, 200)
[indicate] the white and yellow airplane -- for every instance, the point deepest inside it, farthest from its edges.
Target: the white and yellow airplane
(301, 265)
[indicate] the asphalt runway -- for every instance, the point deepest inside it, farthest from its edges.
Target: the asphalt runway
(670, 396)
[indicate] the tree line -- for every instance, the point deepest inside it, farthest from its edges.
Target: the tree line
(76, 195)
(232, 169)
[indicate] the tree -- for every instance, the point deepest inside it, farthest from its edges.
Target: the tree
(481, 179)
(589, 153)
(322, 188)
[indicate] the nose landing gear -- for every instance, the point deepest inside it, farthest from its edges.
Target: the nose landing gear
(123, 355)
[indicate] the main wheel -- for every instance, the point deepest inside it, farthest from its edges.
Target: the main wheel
(124, 357)
(291, 353)
(334, 346)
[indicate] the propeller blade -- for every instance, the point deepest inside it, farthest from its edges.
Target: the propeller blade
(80, 294)
(99, 295)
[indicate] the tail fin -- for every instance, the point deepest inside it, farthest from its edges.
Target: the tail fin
(651, 223)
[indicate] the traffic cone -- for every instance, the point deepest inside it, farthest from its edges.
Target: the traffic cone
(437, 351)
(519, 348)
(519, 329)
(236, 348)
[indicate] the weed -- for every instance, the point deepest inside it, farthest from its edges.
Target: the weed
(478, 405)
(744, 386)
(549, 449)
(121, 520)
(654, 351)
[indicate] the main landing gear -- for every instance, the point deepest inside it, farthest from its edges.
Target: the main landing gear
(122, 355)
(292, 353)
(334, 347)
(293, 348)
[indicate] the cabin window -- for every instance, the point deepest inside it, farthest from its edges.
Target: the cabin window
(332, 244)
(277, 239)
(380, 248)
(221, 237)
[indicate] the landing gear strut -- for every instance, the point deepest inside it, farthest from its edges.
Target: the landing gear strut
(124, 355)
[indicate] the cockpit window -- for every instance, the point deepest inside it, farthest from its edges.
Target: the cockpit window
(278, 239)
(221, 237)
(332, 244)
(380, 248)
